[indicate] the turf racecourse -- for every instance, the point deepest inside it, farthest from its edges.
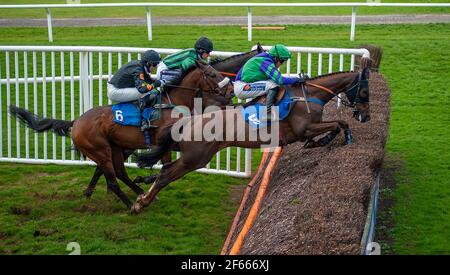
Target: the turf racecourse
(42, 209)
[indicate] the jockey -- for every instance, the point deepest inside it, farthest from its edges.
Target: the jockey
(173, 67)
(133, 82)
(260, 76)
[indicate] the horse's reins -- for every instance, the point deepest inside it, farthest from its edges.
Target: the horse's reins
(327, 90)
(227, 74)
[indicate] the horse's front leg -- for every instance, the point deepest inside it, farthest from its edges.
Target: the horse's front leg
(317, 129)
(169, 173)
(167, 158)
(347, 132)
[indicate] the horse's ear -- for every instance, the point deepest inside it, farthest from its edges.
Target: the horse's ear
(259, 48)
(200, 64)
(365, 63)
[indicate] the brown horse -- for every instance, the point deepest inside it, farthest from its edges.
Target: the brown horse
(228, 67)
(303, 123)
(97, 136)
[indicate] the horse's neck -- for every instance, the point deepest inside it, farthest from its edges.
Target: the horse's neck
(336, 83)
(180, 96)
(234, 63)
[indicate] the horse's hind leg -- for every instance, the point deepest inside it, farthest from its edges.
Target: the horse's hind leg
(110, 176)
(121, 173)
(102, 157)
(90, 189)
(98, 173)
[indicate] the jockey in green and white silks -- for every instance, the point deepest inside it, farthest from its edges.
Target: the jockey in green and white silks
(173, 68)
(260, 75)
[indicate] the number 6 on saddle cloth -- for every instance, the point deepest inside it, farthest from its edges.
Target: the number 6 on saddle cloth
(128, 114)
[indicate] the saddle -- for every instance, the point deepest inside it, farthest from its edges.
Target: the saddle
(255, 110)
(129, 113)
(262, 99)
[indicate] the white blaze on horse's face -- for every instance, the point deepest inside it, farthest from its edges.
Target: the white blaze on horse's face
(223, 83)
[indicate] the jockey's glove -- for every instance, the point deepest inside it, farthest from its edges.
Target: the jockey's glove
(300, 80)
(157, 83)
(152, 86)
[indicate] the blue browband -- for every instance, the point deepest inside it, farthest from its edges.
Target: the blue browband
(316, 100)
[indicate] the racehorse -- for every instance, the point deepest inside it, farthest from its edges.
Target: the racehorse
(303, 123)
(228, 67)
(97, 136)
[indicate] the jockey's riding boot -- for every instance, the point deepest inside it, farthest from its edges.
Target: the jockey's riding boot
(148, 138)
(145, 126)
(270, 100)
(145, 101)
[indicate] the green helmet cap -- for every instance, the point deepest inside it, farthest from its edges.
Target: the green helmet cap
(280, 51)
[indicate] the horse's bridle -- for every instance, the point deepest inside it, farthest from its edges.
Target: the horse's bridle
(217, 90)
(353, 92)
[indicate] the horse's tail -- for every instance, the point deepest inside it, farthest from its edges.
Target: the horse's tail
(60, 127)
(165, 143)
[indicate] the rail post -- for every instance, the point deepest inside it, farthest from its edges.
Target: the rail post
(84, 80)
(249, 23)
(149, 24)
(49, 25)
(248, 162)
(352, 31)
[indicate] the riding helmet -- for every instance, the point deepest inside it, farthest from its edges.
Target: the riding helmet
(151, 57)
(203, 43)
(280, 52)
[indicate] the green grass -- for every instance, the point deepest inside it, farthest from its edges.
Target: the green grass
(416, 65)
(208, 11)
(192, 216)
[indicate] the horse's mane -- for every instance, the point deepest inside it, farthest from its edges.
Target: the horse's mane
(219, 60)
(330, 74)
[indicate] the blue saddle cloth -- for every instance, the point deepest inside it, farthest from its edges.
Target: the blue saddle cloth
(128, 114)
(253, 114)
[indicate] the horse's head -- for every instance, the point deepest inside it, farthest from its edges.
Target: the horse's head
(358, 96)
(213, 87)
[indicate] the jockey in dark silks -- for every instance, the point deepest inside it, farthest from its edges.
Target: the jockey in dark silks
(133, 82)
(260, 76)
(174, 67)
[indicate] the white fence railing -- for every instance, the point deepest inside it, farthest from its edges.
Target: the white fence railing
(63, 82)
(249, 6)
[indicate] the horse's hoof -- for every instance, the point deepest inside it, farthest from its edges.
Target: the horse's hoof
(87, 194)
(348, 136)
(136, 208)
(150, 179)
(138, 179)
(140, 198)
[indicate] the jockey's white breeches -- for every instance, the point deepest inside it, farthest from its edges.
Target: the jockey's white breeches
(123, 94)
(245, 90)
(167, 75)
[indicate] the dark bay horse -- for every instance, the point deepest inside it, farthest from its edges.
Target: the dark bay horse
(303, 123)
(97, 136)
